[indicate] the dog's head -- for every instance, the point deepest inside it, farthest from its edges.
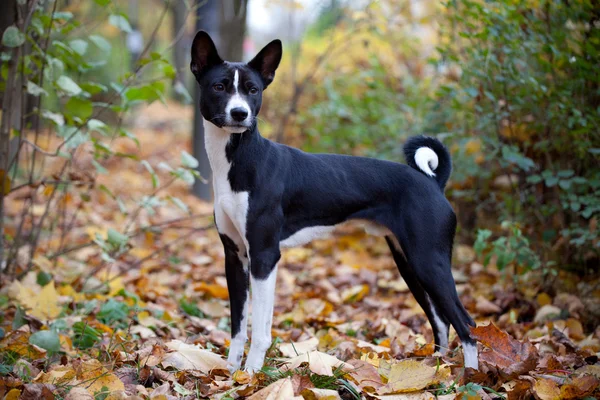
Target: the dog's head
(231, 93)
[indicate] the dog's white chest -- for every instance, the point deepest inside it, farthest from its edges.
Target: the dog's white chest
(231, 208)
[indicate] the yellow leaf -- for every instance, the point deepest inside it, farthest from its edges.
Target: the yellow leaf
(94, 377)
(355, 293)
(13, 394)
(409, 376)
(546, 389)
(43, 305)
(58, 374)
(18, 342)
(241, 377)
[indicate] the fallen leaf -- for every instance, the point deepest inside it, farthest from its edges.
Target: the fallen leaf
(320, 394)
(18, 341)
(279, 390)
(42, 305)
(355, 293)
(298, 348)
(582, 386)
(512, 357)
(411, 375)
(546, 313)
(318, 362)
(365, 375)
(241, 377)
(546, 389)
(484, 306)
(191, 357)
(78, 393)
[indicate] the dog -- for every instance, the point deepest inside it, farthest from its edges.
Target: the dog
(268, 195)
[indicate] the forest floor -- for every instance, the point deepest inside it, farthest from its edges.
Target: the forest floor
(154, 323)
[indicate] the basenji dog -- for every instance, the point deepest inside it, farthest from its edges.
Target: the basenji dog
(268, 195)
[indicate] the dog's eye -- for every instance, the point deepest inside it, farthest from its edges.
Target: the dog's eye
(253, 90)
(218, 87)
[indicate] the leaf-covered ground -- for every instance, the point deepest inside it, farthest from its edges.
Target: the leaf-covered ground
(153, 322)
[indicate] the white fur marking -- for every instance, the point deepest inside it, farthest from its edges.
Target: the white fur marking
(236, 348)
(426, 159)
(263, 300)
(470, 353)
(237, 101)
(231, 208)
(442, 329)
(306, 235)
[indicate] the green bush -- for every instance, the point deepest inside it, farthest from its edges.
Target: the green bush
(515, 94)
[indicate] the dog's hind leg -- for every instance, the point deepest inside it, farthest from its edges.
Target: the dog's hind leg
(432, 269)
(438, 321)
(236, 271)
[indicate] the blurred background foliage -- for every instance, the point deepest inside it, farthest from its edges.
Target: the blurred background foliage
(511, 87)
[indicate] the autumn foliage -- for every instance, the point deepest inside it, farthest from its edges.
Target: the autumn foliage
(113, 282)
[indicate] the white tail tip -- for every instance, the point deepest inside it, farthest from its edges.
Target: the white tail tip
(427, 160)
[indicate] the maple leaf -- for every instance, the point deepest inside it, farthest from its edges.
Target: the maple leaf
(510, 356)
(41, 304)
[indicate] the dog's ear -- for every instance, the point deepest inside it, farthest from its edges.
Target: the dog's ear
(267, 61)
(204, 53)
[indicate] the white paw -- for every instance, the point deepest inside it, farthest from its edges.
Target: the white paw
(254, 362)
(234, 360)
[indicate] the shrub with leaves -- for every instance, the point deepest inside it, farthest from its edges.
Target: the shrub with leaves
(70, 119)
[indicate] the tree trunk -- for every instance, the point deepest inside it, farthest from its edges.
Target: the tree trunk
(8, 17)
(179, 10)
(207, 20)
(232, 29)
(226, 24)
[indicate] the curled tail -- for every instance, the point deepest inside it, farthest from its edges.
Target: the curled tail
(429, 156)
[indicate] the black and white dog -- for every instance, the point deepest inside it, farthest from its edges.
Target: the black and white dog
(268, 196)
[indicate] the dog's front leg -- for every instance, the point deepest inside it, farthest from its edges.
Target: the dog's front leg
(263, 278)
(236, 271)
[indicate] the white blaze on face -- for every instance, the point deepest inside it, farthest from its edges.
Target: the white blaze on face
(237, 101)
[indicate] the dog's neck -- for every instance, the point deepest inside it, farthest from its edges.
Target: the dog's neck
(222, 148)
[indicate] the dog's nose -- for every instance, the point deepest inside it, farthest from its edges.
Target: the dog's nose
(239, 114)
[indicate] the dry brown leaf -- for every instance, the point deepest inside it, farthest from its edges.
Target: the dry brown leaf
(279, 390)
(241, 377)
(512, 357)
(581, 387)
(191, 357)
(318, 362)
(93, 376)
(79, 393)
(411, 375)
(365, 375)
(414, 396)
(320, 394)
(298, 348)
(484, 306)
(593, 370)
(18, 341)
(546, 389)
